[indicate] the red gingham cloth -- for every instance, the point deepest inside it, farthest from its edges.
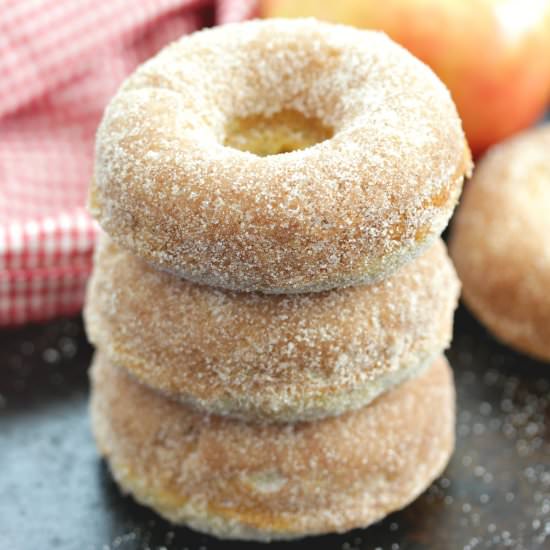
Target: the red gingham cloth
(60, 62)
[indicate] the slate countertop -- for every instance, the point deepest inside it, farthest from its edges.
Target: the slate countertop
(55, 493)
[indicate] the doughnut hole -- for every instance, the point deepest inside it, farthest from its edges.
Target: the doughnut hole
(283, 132)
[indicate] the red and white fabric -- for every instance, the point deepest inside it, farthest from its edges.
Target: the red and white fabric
(60, 62)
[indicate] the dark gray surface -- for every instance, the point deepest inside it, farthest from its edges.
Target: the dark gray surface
(56, 494)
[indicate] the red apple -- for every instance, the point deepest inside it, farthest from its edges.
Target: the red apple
(494, 55)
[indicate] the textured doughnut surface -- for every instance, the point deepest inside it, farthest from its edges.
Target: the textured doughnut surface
(252, 481)
(279, 358)
(349, 209)
(500, 242)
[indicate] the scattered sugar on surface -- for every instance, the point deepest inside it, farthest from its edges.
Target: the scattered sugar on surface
(506, 393)
(54, 347)
(495, 476)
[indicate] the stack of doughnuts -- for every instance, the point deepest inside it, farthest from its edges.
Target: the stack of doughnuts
(271, 297)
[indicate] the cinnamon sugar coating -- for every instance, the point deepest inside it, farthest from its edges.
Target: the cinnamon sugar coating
(252, 481)
(500, 245)
(350, 209)
(271, 357)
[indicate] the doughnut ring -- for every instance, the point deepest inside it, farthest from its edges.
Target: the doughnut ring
(279, 156)
(232, 479)
(270, 357)
(499, 242)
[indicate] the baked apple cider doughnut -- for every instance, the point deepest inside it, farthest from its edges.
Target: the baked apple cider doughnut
(270, 357)
(500, 242)
(279, 156)
(243, 480)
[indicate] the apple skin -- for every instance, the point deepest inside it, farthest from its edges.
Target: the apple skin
(494, 55)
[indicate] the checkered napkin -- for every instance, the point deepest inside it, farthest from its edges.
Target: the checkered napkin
(60, 62)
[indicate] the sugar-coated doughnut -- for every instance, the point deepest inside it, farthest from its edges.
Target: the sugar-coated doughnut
(271, 357)
(500, 242)
(252, 481)
(372, 157)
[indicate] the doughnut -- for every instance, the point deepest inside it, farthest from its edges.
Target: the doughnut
(272, 357)
(280, 156)
(499, 242)
(234, 479)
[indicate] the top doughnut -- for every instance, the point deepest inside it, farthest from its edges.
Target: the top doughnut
(279, 156)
